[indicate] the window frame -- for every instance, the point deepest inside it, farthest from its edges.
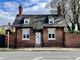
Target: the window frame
(28, 20)
(26, 32)
(50, 19)
(51, 31)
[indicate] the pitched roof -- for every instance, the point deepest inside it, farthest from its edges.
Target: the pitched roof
(37, 21)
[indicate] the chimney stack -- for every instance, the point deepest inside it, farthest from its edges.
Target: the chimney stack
(59, 9)
(9, 24)
(20, 10)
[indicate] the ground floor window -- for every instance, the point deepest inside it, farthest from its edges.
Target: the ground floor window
(51, 34)
(25, 34)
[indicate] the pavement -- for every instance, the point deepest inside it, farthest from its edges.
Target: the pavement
(40, 49)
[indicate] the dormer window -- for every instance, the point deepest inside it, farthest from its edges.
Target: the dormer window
(51, 20)
(26, 21)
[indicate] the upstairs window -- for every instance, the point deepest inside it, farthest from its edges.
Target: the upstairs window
(26, 21)
(51, 34)
(51, 20)
(25, 34)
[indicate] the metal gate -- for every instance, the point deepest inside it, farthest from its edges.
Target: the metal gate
(2, 41)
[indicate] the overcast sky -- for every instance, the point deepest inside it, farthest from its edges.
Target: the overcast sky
(9, 9)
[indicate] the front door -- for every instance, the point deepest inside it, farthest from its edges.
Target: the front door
(38, 39)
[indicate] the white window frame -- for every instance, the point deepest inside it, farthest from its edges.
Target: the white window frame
(51, 19)
(25, 31)
(51, 31)
(28, 20)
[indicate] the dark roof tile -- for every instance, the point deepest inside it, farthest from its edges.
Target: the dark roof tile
(37, 21)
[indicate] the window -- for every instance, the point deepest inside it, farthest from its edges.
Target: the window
(25, 34)
(51, 20)
(51, 34)
(26, 21)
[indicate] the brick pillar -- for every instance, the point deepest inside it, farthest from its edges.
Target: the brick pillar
(45, 36)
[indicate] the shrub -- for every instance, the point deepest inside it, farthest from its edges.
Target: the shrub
(2, 31)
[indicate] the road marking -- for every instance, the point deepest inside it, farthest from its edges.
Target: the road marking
(78, 58)
(37, 58)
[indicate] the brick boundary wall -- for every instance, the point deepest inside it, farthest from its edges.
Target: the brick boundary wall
(11, 39)
(72, 40)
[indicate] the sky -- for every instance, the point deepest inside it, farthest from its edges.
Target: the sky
(9, 9)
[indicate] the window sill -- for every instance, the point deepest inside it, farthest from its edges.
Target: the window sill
(25, 39)
(51, 39)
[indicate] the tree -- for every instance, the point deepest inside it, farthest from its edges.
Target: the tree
(74, 8)
(71, 12)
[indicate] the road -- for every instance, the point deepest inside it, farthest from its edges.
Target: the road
(39, 55)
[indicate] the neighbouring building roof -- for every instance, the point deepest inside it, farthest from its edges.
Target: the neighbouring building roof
(39, 21)
(5, 27)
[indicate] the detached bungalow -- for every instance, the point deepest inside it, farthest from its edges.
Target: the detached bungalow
(39, 30)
